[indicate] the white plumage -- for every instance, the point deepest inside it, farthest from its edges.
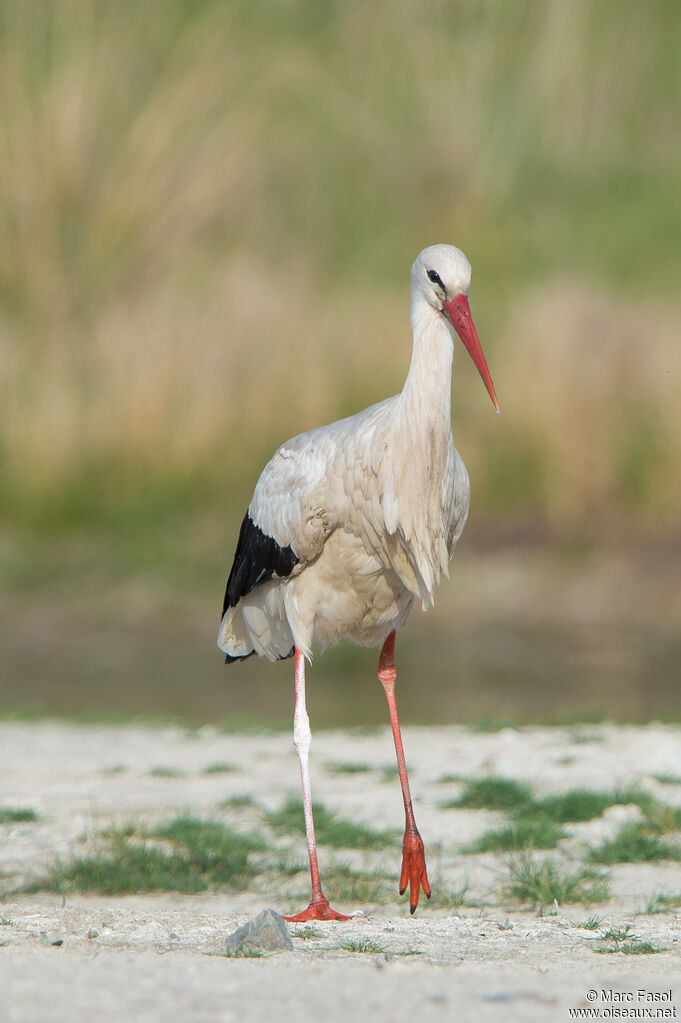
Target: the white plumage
(371, 506)
(351, 523)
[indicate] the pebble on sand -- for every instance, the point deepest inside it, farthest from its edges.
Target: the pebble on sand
(267, 932)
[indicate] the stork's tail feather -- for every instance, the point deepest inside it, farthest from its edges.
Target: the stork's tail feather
(256, 625)
(240, 657)
(244, 657)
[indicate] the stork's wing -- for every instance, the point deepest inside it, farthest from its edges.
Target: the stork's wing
(313, 483)
(258, 557)
(288, 518)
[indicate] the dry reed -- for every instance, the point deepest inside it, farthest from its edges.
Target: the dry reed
(207, 217)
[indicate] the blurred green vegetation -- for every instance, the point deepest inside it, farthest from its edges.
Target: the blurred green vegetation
(208, 211)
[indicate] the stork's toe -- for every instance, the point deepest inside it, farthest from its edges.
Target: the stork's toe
(413, 875)
(319, 909)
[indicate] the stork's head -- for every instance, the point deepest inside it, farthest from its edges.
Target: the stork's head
(441, 276)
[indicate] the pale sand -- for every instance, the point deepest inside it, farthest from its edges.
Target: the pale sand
(156, 957)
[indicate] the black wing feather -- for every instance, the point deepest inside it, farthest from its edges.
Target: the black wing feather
(258, 557)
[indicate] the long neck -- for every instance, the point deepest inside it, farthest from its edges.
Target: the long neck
(426, 395)
(419, 479)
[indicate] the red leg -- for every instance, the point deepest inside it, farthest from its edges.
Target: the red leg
(319, 908)
(413, 854)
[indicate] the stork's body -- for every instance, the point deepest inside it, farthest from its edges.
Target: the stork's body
(351, 523)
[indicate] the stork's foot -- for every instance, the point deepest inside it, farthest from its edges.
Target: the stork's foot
(413, 874)
(319, 909)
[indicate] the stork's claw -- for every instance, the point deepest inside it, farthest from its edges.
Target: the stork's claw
(319, 909)
(413, 868)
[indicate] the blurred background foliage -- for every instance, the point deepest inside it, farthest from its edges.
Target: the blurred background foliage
(208, 211)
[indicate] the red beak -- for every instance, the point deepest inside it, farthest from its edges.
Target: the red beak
(458, 312)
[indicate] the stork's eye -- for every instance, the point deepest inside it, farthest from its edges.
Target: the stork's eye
(434, 276)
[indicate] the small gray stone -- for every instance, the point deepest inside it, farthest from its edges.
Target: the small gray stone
(266, 933)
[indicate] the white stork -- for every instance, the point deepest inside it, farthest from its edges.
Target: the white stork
(351, 523)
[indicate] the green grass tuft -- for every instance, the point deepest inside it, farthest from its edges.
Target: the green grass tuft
(330, 829)
(660, 903)
(592, 923)
(662, 819)
(364, 946)
(492, 793)
(523, 832)
(213, 847)
(537, 823)
(635, 842)
(622, 940)
(632, 948)
(343, 884)
(238, 803)
(618, 933)
(288, 867)
(544, 882)
(202, 854)
(125, 868)
(219, 768)
(446, 896)
(17, 815)
(585, 804)
(306, 933)
(581, 737)
(574, 805)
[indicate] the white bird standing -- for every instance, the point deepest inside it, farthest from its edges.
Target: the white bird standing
(351, 523)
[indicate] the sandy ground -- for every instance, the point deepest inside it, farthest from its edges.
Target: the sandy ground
(157, 957)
